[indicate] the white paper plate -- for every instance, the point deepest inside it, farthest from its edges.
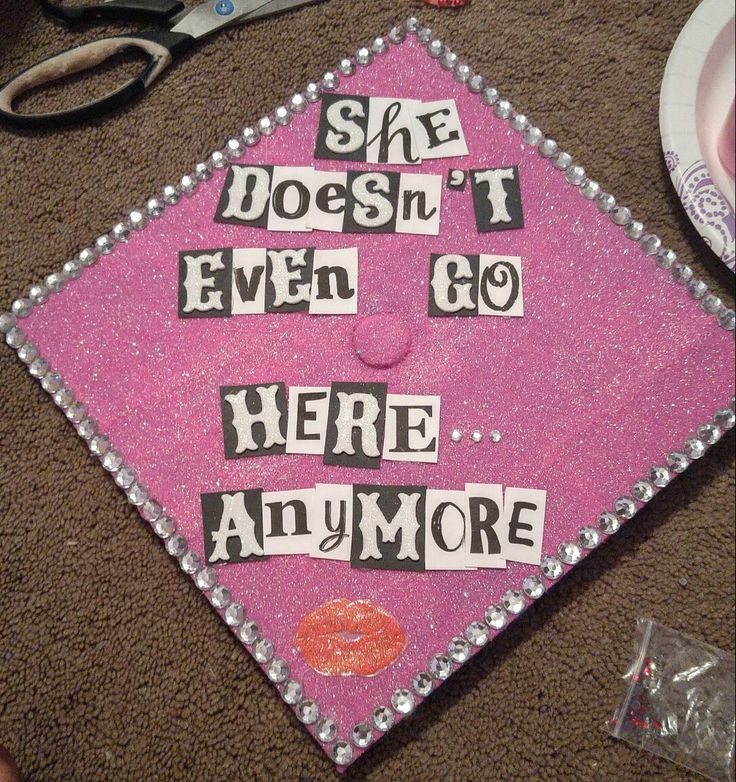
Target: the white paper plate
(697, 91)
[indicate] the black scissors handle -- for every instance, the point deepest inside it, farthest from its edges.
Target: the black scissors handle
(161, 47)
(151, 11)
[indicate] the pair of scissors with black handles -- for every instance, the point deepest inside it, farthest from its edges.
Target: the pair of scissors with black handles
(183, 27)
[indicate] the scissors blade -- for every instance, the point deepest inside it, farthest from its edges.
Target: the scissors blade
(211, 16)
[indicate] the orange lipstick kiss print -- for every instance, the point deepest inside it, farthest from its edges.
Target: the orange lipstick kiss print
(349, 638)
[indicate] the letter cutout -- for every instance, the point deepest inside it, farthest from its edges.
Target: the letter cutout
(253, 419)
(232, 525)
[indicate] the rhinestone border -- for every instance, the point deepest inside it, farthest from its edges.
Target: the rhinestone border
(514, 601)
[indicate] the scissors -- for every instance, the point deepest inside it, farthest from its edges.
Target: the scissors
(184, 28)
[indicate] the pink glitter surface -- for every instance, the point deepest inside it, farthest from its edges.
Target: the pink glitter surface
(611, 366)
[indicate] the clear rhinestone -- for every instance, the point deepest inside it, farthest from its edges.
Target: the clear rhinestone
(234, 147)
(15, 338)
(125, 477)
(64, 397)
(76, 412)
(278, 670)
(422, 684)
(251, 136)
(87, 428)
(562, 161)
(590, 189)
(666, 258)
(476, 83)
(694, 448)
(202, 171)
(620, 215)
(642, 491)
(448, 60)
(551, 568)
(518, 121)
(121, 232)
(462, 74)
(188, 184)
(155, 206)
(21, 308)
(248, 634)
(297, 103)
(397, 34)
(724, 419)
(383, 718)
(490, 95)
(39, 367)
(459, 649)
(477, 633)
(346, 66)
(164, 527)
(440, 666)
(137, 494)
(150, 511)
(266, 126)
(234, 614)
(56, 282)
(659, 476)
(292, 693)
(677, 462)
(697, 287)
(402, 701)
(625, 507)
(28, 353)
(7, 322)
(476, 435)
(569, 552)
(609, 523)
(379, 45)
(548, 148)
(218, 159)
(205, 578)
(496, 617)
(138, 219)
(710, 303)
(176, 545)
(456, 435)
(503, 109)
(88, 256)
(312, 92)
(104, 245)
(412, 24)
(190, 562)
(495, 435)
(435, 48)
(220, 598)
(364, 56)
(634, 230)
(307, 710)
(650, 244)
(575, 175)
(112, 460)
(533, 136)
(326, 730)
(282, 115)
(361, 735)
(533, 587)
(727, 319)
(342, 753)
(52, 382)
(99, 445)
(681, 272)
(424, 34)
(513, 601)
(709, 433)
(589, 537)
(606, 203)
(38, 294)
(170, 194)
(263, 650)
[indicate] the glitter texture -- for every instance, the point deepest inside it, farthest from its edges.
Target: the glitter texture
(586, 397)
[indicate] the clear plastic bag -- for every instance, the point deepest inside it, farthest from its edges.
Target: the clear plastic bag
(679, 701)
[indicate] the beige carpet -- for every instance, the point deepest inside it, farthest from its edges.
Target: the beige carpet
(112, 667)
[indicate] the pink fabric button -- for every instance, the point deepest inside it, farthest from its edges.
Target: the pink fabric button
(382, 340)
